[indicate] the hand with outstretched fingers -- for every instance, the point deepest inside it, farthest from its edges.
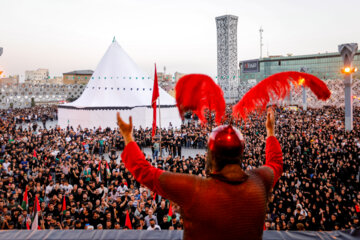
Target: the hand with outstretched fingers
(126, 129)
(270, 122)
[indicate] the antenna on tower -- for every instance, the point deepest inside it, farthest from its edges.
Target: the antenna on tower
(261, 30)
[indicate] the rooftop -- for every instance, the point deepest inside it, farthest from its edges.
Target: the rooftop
(80, 72)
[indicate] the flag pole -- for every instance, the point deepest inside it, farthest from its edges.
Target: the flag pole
(160, 125)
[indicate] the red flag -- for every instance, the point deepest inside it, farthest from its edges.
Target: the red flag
(37, 209)
(25, 202)
(357, 208)
(170, 211)
(99, 171)
(63, 209)
(127, 220)
(155, 96)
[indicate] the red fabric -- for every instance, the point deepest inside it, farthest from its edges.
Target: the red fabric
(141, 169)
(209, 201)
(274, 157)
(198, 92)
(128, 221)
(170, 213)
(277, 87)
(153, 101)
(357, 208)
(36, 205)
(63, 205)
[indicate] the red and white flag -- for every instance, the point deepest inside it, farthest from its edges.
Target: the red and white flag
(37, 209)
(155, 96)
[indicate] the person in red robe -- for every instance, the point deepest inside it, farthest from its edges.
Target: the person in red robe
(229, 203)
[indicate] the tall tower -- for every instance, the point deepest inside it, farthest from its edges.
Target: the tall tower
(227, 73)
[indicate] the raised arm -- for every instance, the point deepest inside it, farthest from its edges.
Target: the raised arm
(135, 160)
(169, 185)
(274, 156)
(273, 167)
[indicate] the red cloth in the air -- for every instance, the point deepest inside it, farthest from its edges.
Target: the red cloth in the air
(219, 207)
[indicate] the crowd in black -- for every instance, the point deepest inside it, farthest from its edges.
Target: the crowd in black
(319, 189)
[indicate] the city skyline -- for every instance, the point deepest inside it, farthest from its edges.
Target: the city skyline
(66, 35)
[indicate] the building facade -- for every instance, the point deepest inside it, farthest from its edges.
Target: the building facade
(178, 75)
(164, 77)
(10, 80)
(56, 80)
(77, 77)
(324, 66)
(227, 66)
(39, 76)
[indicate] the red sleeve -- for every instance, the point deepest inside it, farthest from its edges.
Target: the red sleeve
(141, 169)
(274, 157)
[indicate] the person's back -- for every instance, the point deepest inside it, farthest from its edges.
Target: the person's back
(229, 203)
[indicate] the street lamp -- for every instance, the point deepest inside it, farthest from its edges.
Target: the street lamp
(347, 52)
(348, 70)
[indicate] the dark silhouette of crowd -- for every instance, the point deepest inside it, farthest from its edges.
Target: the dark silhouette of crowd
(319, 189)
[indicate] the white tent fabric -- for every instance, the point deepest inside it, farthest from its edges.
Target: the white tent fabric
(117, 84)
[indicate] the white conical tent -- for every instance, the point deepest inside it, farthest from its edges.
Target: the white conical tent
(117, 84)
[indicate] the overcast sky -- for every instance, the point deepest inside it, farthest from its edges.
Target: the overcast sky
(66, 35)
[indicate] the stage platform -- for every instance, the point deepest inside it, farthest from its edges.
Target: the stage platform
(158, 235)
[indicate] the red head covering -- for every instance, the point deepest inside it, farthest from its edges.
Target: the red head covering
(226, 146)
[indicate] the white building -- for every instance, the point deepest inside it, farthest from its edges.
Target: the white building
(38, 76)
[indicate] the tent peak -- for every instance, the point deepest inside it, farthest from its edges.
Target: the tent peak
(114, 40)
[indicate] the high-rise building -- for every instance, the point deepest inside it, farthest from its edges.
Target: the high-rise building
(227, 67)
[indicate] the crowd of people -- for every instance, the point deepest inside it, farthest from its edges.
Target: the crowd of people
(319, 189)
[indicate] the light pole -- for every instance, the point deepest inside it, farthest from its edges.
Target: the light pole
(347, 52)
